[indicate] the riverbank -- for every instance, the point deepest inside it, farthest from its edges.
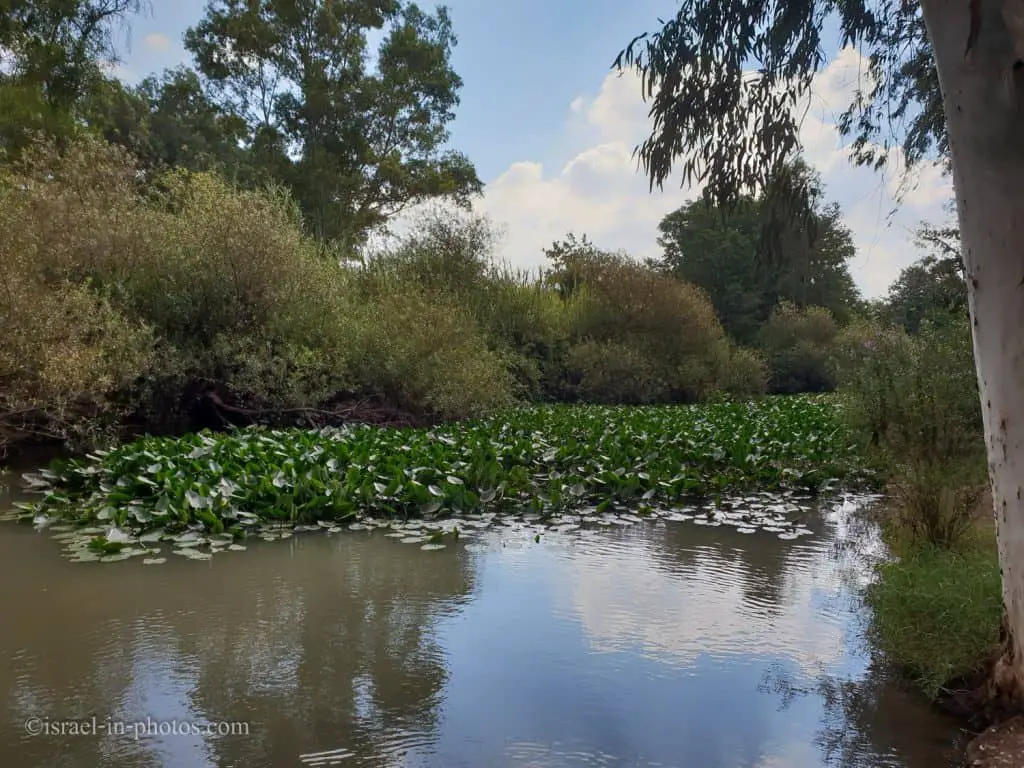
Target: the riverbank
(937, 616)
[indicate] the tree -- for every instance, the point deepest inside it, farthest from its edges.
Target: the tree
(51, 57)
(725, 78)
(720, 251)
(356, 140)
(931, 289)
(798, 344)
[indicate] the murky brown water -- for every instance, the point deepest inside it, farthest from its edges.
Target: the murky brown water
(653, 645)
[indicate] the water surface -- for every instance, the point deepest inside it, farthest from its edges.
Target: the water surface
(657, 644)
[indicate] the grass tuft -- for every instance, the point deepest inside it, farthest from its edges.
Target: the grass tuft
(937, 611)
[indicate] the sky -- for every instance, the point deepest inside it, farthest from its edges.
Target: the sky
(551, 130)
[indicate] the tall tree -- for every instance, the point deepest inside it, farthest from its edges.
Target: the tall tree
(720, 250)
(725, 77)
(356, 140)
(52, 54)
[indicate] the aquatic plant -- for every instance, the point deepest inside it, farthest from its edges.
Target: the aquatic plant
(542, 461)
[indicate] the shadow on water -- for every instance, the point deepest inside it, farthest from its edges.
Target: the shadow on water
(659, 644)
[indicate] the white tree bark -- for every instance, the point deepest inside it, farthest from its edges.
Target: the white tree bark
(983, 94)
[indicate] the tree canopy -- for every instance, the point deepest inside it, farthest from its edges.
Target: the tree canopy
(288, 93)
(52, 54)
(933, 288)
(356, 140)
(720, 251)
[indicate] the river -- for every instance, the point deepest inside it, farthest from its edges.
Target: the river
(656, 644)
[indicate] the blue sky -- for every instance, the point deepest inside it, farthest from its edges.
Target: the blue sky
(550, 129)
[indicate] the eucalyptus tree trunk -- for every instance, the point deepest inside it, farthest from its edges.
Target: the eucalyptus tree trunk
(983, 94)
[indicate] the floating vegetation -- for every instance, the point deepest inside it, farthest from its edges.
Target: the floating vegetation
(555, 466)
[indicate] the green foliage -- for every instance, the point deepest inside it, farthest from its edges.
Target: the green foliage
(614, 372)
(914, 400)
(743, 372)
(124, 296)
(427, 353)
(914, 396)
(721, 251)
(638, 331)
(799, 345)
(54, 51)
(598, 326)
(932, 290)
(355, 138)
(697, 71)
(170, 122)
(937, 612)
(551, 459)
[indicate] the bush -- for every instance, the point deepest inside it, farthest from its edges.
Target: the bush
(798, 344)
(612, 372)
(915, 397)
(444, 251)
(669, 328)
(915, 402)
(744, 372)
(128, 292)
(66, 357)
(426, 353)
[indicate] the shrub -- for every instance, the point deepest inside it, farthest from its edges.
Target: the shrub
(426, 353)
(915, 402)
(914, 396)
(798, 344)
(614, 372)
(128, 292)
(668, 323)
(66, 356)
(445, 251)
(744, 372)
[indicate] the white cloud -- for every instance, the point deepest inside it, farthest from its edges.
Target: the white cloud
(599, 190)
(157, 42)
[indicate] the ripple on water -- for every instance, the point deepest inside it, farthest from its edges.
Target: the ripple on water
(544, 755)
(593, 647)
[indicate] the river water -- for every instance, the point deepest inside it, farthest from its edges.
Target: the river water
(657, 644)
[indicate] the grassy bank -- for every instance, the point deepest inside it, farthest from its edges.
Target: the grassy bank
(545, 460)
(937, 611)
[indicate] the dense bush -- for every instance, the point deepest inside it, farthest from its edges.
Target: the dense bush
(914, 399)
(599, 328)
(657, 334)
(133, 296)
(123, 292)
(799, 344)
(614, 372)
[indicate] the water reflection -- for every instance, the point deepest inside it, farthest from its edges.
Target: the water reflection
(653, 645)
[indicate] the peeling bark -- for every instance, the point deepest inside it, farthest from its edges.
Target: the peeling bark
(983, 96)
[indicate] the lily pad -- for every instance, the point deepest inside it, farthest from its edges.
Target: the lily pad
(115, 558)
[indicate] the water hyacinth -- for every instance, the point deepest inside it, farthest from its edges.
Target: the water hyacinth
(613, 466)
